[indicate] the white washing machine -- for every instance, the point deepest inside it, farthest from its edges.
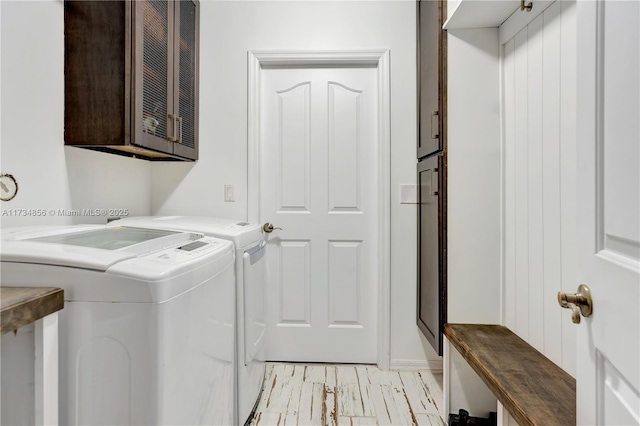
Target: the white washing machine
(147, 330)
(248, 239)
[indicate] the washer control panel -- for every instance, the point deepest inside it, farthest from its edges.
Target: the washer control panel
(186, 252)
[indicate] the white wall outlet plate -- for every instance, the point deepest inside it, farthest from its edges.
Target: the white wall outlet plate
(409, 194)
(228, 193)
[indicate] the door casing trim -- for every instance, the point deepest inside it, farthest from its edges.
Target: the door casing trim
(256, 61)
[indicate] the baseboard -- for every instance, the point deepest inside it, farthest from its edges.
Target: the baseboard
(413, 364)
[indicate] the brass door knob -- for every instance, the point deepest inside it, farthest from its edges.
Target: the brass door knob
(579, 303)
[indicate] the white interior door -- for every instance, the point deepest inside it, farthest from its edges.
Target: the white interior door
(318, 182)
(608, 343)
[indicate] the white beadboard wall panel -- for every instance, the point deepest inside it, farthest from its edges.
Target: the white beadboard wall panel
(534, 190)
(509, 188)
(568, 173)
(521, 211)
(552, 237)
(539, 207)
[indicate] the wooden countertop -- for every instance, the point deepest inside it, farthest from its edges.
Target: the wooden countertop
(533, 389)
(20, 306)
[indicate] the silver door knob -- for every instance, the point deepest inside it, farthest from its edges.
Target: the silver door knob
(579, 303)
(268, 228)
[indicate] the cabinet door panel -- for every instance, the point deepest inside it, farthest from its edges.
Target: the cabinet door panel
(431, 314)
(429, 77)
(96, 93)
(153, 70)
(186, 77)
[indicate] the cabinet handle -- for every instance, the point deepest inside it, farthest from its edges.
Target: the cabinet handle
(526, 7)
(175, 127)
(432, 171)
(435, 134)
(169, 138)
(180, 132)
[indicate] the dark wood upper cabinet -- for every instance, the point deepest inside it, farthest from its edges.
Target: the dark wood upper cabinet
(431, 76)
(131, 77)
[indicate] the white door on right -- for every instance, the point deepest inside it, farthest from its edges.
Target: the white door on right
(608, 342)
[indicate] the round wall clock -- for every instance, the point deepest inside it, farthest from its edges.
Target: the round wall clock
(8, 187)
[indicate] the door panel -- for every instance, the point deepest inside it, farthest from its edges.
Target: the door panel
(293, 177)
(609, 211)
(344, 283)
(153, 72)
(431, 279)
(294, 289)
(344, 121)
(430, 77)
(319, 183)
(185, 83)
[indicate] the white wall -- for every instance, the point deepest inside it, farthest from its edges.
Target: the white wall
(50, 175)
(232, 28)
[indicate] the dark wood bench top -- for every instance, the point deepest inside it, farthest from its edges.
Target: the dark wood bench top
(20, 306)
(533, 389)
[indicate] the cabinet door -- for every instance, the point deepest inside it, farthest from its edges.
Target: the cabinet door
(429, 77)
(431, 315)
(153, 74)
(185, 86)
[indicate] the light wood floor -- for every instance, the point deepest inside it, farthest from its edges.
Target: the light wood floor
(336, 395)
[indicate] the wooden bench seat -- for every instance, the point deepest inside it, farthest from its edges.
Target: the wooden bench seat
(533, 389)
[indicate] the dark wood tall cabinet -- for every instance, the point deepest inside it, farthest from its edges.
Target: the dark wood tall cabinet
(432, 172)
(131, 77)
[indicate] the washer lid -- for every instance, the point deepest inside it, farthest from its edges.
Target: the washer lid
(96, 248)
(242, 234)
(61, 255)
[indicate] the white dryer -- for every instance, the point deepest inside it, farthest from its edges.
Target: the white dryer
(147, 330)
(251, 276)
